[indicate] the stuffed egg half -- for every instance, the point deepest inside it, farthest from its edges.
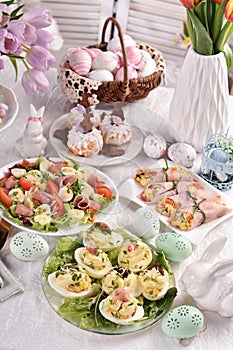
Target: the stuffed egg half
(154, 282)
(121, 308)
(135, 255)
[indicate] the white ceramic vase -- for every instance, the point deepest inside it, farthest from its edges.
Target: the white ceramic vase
(199, 107)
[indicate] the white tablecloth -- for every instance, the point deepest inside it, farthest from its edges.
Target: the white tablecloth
(26, 319)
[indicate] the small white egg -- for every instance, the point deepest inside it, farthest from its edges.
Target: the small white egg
(67, 170)
(105, 60)
(79, 214)
(154, 146)
(17, 194)
(66, 193)
(101, 75)
(182, 154)
(61, 285)
(27, 246)
(17, 172)
(34, 176)
(105, 309)
(96, 271)
(148, 69)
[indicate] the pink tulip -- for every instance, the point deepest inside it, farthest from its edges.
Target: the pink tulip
(38, 17)
(4, 17)
(189, 3)
(34, 81)
(229, 10)
(8, 42)
(40, 58)
(24, 32)
(44, 37)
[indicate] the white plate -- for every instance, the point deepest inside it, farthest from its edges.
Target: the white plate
(8, 97)
(102, 216)
(131, 149)
(131, 190)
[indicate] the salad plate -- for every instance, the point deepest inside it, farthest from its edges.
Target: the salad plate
(130, 149)
(100, 205)
(7, 96)
(131, 190)
(84, 312)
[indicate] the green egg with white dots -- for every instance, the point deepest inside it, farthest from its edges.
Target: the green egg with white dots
(175, 246)
(184, 321)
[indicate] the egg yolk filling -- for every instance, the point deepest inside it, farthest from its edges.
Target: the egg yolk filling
(96, 261)
(135, 256)
(153, 282)
(120, 309)
(73, 280)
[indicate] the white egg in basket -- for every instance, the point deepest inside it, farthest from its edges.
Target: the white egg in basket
(28, 246)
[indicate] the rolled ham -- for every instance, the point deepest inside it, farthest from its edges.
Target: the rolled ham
(22, 210)
(40, 196)
(10, 182)
(81, 202)
(191, 217)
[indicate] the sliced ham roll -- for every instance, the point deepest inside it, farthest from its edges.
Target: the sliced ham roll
(155, 192)
(81, 202)
(22, 210)
(40, 196)
(191, 217)
(10, 182)
(147, 176)
(168, 204)
(58, 209)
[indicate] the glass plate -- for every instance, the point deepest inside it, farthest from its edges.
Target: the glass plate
(131, 149)
(55, 300)
(7, 96)
(101, 216)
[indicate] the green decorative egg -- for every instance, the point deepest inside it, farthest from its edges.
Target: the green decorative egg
(175, 246)
(184, 321)
(146, 223)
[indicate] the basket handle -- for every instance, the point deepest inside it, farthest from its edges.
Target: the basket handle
(120, 34)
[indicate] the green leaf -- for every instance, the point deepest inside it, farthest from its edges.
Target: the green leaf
(228, 55)
(210, 11)
(226, 31)
(191, 32)
(14, 63)
(218, 20)
(203, 41)
(200, 12)
(14, 14)
(8, 3)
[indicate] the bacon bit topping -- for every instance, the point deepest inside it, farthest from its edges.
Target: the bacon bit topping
(131, 247)
(121, 294)
(92, 248)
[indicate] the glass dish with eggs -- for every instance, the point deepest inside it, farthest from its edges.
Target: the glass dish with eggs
(108, 281)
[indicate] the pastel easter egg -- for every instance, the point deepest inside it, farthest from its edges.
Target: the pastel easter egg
(133, 55)
(115, 45)
(175, 246)
(219, 155)
(2, 112)
(101, 75)
(145, 54)
(28, 246)
(182, 154)
(145, 222)
(93, 52)
(154, 146)
(80, 62)
(148, 69)
(132, 73)
(105, 60)
(184, 321)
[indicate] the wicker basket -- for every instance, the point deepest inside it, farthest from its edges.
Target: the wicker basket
(90, 92)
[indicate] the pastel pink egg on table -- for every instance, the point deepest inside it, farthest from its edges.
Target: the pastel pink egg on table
(105, 60)
(80, 62)
(132, 73)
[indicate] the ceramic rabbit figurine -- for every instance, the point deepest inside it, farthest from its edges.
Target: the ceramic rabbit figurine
(211, 286)
(32, 143)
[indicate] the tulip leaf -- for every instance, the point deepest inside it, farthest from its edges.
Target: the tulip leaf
(203, 41)
(15, 15)
(218, 19)
(14, 63)
(200, 12)
(228, 55)
(210, 12)
(191, 33)
(8, 3)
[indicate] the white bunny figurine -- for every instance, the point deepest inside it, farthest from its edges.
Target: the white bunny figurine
(211, 286)
(32, 143)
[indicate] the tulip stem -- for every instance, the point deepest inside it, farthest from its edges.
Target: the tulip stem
(25, 63)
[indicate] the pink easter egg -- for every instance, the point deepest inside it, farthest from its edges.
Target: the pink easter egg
(105, 60)
(2, 112)
(132, 73)
(133, 55)
(114, 44)
(80, 62)
(93, 52)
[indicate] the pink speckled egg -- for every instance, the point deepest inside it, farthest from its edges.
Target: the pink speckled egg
(154, 146)
(132, 73)
(148, 69)
(115, 45)
(101, 75)
(133, 55)
(2, 112)
(80, 62)
(105, 60)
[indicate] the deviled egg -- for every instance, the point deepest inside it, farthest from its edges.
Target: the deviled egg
(154, 282)
(101, 234)
(68, 171)
(95, 261)
(71, 282)
(18, 172)
(135, 255)
(121, 308)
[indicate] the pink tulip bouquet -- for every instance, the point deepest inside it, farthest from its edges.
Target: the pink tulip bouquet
(210, 23)
(23, 38)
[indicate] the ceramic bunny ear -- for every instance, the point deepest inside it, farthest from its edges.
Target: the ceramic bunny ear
(33, 111)
(40, 112)
(213, 250)
(222, 269)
